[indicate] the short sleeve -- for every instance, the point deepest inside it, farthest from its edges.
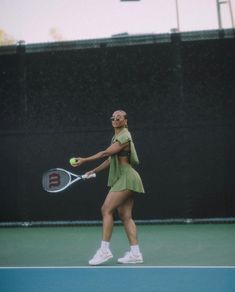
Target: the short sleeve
(123, 138)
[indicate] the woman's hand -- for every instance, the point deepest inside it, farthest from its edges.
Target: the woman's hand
(89, 173)
(79, 161)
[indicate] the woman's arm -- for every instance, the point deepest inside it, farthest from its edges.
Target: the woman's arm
(101, 167)
(111, 150)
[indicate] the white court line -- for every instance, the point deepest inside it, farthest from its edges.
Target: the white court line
(122, 267)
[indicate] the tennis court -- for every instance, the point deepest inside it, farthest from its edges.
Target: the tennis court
(178, 257)
(204, 279)
(162, 245)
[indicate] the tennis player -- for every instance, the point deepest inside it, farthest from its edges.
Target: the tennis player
(123, 181)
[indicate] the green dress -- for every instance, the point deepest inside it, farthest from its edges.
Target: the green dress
(124, 177)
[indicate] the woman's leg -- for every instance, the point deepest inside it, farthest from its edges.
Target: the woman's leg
(125, 214)
(111, 203)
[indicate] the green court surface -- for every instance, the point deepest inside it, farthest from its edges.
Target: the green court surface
(161, 245)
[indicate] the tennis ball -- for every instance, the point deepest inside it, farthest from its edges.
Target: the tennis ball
(72, 161)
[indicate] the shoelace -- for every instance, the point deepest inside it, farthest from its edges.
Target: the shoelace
(128, 254)
(99, 253)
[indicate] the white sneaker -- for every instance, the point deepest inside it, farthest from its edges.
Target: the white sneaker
(130, 258)
(100, 257)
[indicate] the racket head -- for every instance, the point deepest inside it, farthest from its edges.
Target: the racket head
(56, 180)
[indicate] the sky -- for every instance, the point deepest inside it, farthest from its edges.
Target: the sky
(36, 21)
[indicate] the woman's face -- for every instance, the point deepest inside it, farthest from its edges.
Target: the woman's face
(118, 119)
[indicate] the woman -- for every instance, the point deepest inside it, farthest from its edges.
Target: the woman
(123, 181)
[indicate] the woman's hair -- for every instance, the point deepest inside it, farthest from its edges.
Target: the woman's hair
(123, 112)
(125, 117)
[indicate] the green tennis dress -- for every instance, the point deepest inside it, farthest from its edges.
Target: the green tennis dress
(124, 177)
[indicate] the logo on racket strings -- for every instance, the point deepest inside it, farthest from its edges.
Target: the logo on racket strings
(54, 180)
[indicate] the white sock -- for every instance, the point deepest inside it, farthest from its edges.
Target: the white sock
(104, 245)
(135, 249)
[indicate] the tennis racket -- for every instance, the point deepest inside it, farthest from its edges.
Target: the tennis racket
(57, 179)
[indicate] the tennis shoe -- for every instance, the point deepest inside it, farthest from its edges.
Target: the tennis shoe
(100, 257)
(130, 258)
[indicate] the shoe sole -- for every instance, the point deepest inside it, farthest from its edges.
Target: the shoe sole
(99, 263)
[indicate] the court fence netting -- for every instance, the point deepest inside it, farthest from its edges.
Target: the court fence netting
(227, 220)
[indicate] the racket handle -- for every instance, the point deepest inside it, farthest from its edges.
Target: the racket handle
(84, 176)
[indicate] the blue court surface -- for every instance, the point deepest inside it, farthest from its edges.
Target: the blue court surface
(88, 279)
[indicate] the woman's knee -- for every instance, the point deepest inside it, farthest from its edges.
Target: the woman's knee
(124, 216)
(105, 210)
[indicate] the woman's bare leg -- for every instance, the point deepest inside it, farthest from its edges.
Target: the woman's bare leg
(125, 213)
(111, 203)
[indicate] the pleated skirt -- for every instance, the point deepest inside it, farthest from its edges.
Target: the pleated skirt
(129, 180)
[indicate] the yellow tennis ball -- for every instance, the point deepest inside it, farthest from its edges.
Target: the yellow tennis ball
(72, 161)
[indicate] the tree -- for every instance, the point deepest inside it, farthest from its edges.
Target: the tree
(5, 38)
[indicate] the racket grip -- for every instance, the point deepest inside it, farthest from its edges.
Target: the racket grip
(84, 176)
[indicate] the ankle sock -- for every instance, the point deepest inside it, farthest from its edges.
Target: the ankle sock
(104, 245)
(135, 249)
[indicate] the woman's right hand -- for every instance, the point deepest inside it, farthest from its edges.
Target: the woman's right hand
(78, 161)
(89, 173)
